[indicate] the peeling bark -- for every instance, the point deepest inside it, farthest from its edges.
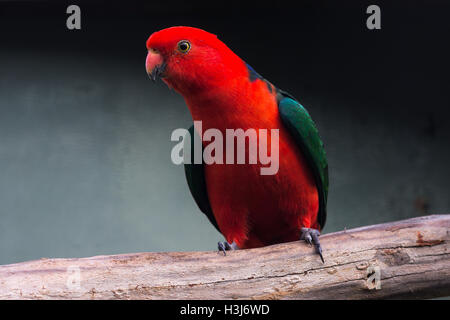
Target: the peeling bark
(405, 259)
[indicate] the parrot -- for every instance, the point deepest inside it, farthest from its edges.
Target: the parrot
(222, 91)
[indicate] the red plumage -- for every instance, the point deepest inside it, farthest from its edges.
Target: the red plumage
(251, 209)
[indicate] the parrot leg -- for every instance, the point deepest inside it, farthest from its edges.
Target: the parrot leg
(223, 246)
(311, 236)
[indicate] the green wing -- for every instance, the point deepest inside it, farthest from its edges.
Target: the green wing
(302, 127)
(195, 176)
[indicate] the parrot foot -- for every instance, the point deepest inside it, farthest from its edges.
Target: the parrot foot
(311, 236)
(224, 246)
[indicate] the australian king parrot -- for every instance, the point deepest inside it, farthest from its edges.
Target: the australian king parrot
(223, 92)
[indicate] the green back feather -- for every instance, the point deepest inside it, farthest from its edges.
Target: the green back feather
(195, 176)
(302, 127)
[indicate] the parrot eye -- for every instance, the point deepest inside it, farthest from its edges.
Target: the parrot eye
(184, 46)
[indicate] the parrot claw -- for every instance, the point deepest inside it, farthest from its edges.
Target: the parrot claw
(223, 246)
(311, 236)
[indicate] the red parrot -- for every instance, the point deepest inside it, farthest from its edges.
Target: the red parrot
(221, 90)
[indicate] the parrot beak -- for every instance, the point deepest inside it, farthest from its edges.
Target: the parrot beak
(154, 64)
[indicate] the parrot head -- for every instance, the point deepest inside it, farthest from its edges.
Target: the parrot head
(190, 60)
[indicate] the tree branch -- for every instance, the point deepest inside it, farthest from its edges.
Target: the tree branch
(411, 257)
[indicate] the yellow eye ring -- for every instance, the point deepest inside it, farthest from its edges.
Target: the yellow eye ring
(184, 46)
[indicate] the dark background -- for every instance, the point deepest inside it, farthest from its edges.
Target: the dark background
(85, 137)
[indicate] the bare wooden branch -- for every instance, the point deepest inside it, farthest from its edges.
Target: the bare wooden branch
(410, 258)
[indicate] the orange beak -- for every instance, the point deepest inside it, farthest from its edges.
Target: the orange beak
(154, 64)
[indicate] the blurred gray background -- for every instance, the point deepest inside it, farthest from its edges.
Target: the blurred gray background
(85, 136)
